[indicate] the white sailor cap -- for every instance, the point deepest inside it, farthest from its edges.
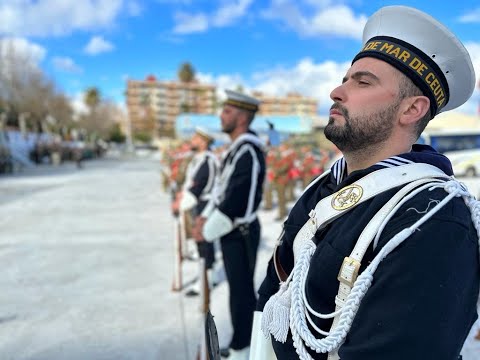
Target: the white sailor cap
(204, 134)
(425, 51)
(241, 101)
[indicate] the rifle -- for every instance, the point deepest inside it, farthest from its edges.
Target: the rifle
(208, 348)
(177, 274)
(182, 225)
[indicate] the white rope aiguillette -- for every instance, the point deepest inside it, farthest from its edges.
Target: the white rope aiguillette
(289, 308)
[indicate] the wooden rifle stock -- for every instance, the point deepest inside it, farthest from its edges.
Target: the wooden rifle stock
(177, 269)
(208, 348)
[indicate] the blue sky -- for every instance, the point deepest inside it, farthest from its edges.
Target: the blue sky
(272, 45)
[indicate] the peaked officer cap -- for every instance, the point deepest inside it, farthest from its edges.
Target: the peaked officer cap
(204, 134)
(241, 101)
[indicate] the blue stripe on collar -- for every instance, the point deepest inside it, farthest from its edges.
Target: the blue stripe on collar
(339, 168)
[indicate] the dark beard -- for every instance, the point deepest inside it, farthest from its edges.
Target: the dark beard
(362, 131)
(228, 129)
(194, 148)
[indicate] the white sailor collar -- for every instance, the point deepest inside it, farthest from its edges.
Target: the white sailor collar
(247, 137)
(339, 168)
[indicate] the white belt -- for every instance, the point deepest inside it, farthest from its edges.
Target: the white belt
(245, 220)
(205, 197)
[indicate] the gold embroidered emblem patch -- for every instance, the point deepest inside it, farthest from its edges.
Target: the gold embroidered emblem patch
(347, 197)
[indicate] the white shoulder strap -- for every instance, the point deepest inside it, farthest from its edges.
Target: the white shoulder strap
(327, 210)
(377, 182)
(351, 265)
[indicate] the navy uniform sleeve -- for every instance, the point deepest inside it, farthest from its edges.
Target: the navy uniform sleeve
(239, 197)
(271, 283)
(297, 217)
(422, 301)
(200, 179)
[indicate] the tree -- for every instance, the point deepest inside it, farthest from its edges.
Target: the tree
(100, 122)
(186, 73)
(61, 110)
(116, 134)
(92, 98)
(184, 107)
(28, 96)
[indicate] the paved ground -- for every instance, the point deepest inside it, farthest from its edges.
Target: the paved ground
(87, 267)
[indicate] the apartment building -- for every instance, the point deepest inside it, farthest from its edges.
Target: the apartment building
(153, 105)
(291, 104)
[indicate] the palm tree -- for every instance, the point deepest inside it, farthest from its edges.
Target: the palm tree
(186, 72)
(92, 97)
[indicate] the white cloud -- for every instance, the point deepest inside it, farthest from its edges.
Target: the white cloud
(223, 82)
(190, 23)
(474, 50)
(311, 79)
(225, 15)
(58, 18)
(335, 20)
(230, 12)
(78, 104)
(30, 52)
(66, 64)
(97, 45)
(471, 17)
(472, 105)
(319, 79)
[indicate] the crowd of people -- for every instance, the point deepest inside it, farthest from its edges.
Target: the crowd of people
(289, 170)
(378, 257)
(20, 149)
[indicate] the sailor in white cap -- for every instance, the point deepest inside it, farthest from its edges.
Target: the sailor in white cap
(196, 192)
(231, 215)
(379, 257)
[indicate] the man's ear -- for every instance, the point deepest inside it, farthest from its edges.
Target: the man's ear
(244, 118)
(414, 108)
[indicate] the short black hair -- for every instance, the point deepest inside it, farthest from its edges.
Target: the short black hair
(408, 89)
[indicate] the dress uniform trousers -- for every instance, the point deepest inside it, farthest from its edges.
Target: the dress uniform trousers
(239, 248)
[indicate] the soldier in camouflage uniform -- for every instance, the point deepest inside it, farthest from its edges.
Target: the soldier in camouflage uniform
(178, 172)
(280, 167)
(269, 184)
(293, 174)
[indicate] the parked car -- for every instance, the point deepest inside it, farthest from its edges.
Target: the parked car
(465, 162)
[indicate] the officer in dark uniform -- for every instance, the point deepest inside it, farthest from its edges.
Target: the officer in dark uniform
(404, 286)
(231, 215)
(196, 192)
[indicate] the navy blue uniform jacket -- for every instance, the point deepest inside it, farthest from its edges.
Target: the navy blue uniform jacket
(422, 302)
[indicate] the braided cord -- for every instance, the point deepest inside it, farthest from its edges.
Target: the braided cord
(301, 334)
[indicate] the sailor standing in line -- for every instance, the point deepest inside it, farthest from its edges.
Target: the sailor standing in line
(196, 192)
(231, 215)
(379, 258)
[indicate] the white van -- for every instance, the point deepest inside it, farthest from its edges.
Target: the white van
(465, 162)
